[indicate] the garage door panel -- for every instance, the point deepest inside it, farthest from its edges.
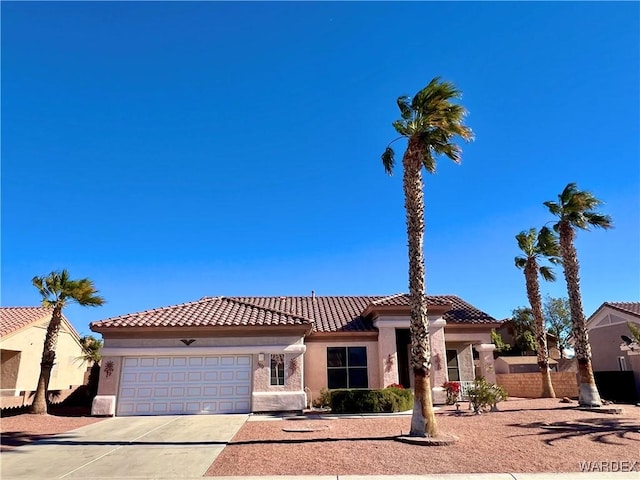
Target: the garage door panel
(185, 385)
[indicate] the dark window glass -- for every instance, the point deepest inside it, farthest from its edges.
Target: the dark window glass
(337, 378)
(357, 357)
(347, 367)
(358, 378)
(336, 357)
(452, 365)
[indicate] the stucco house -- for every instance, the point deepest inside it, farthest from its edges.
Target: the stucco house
(257, 354)
(606, 327)
(22, 332)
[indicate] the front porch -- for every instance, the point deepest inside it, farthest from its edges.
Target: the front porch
(458, 353)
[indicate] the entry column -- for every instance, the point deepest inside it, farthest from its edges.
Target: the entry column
(388, 355)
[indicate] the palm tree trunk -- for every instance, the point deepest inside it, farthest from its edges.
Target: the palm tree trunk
(533, 292)
(423, 421)
(39, 405)
(587, 390)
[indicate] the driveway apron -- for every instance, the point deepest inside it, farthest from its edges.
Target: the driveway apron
(126, 447)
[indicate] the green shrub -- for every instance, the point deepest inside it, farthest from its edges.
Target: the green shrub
(484, 395)
(371, 401)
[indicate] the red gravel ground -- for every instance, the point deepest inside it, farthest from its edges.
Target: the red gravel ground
(22, 429)
(539, 435)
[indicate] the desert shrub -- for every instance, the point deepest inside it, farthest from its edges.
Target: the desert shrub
(484, 395)
(323, 400)
(371, 401)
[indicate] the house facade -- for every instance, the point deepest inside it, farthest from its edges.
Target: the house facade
(606, 327)
(258, 354)
(22, 332)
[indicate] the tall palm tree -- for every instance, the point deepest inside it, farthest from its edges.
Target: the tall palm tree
(575, 209)
(535, 246)
(429, 122)
(57, 291)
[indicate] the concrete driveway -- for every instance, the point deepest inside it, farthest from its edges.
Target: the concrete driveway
(126, 447)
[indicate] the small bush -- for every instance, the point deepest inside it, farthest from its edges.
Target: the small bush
(453, 391)
(388, 400)
(484, 395)
(323, 400)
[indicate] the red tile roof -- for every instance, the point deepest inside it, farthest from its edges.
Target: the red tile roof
(629, 307)
(207, 312)
(326, 314)
(14, 318)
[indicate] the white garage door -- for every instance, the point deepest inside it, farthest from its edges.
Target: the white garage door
(185, 385)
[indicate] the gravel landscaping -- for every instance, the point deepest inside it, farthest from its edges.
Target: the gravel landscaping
(541, 435)
(21, 429)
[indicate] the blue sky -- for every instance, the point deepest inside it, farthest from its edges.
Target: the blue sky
(171, 151)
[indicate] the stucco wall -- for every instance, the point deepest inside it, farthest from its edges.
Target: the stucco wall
(529, 385)
(67, 371)
(605, 346)
(315, 365)
(293, 371)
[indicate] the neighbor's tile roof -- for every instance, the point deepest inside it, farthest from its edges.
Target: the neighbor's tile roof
(207, 312)
(327, 314)
(14, 318)
(630, 307)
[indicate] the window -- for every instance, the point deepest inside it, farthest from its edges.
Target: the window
(622, 364)
(452, 366)
(277, 369)
(347, 367)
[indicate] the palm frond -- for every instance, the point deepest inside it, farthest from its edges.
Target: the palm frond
(388, 160)
(598, 220)
(547, 243)
(520, 262)
(554, 208)
(526, 241)
(547, 274)
(405, 107)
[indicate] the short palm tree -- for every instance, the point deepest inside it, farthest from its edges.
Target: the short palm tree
(92, 356)
(575, 209)
(536, 246)
(429, 122)
(58, 290)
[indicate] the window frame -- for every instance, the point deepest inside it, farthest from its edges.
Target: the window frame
(277, 377)
(457, 366)
(347, 368)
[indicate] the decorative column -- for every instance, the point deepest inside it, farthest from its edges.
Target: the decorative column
(104, 403)
(387, 355)
(487, 369)
(438, 359)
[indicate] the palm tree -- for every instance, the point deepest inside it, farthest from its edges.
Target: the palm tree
(429, 121)
(536, 245)
(91, 355)
(575, 209)
(57, 290)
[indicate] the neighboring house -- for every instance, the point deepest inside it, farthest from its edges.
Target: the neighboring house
(254, 354)
(22, 332)
(608, 351)
(507, 332)
(522, 364)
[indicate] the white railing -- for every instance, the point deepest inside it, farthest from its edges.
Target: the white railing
(464, 389)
